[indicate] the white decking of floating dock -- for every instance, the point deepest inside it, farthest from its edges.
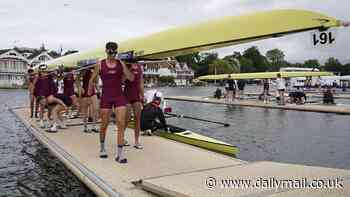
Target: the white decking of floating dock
(169, 168)
(271, 105)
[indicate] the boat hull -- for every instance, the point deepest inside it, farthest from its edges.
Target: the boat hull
(195, 139)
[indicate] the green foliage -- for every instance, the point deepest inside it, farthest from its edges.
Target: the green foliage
(312, 63)
(251, 60)
(275, 56)
(247, 65)
(222, 66)
(260, 62)
(276, 59)
(333, 65)
(346, 69)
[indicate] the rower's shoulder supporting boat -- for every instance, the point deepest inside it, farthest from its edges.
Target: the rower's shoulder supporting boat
(264, 75)
(225, 31)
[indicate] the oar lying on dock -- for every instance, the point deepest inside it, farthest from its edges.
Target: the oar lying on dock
(199, 119)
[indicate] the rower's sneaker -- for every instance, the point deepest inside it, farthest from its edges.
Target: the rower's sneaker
(90, 119)
(148, 132)
(86, 130)
(62, 126)
(138, 146)
(95, 130)
(122, 161)
(42, 124)
(52, 129)
(103, 154)
(126, 143)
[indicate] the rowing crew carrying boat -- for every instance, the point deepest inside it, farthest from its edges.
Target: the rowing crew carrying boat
(122, 91)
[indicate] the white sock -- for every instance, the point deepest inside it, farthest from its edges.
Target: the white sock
(102, 146)
(119, 151)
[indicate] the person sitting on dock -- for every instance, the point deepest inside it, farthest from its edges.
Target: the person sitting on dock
(44, 91)
(112, 72)
(56, 108)
(297, 96)
(152, 116)
(328, 97)
(217, 93)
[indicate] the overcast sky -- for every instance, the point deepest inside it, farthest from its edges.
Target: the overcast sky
(82, 24)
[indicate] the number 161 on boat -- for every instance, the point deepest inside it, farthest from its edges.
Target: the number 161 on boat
(321, 39)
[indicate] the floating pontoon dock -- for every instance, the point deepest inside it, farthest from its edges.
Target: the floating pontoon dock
(169, 168)
(272, 105)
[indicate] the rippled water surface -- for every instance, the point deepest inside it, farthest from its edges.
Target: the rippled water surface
(307, 138)
(27, 169)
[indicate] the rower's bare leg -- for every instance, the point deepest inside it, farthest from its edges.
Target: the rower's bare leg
(120, 119)
(31, 99)
(127, 120)
(104, 114)
(94, 114)
(75, 101)
(42, 103)
(60, 112)
(84, 111)
(55, 113)
(37, 105)
(137, 108)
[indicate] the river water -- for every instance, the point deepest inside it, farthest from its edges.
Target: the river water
(27, 169)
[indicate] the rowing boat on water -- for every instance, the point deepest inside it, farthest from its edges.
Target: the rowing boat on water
(195, 139)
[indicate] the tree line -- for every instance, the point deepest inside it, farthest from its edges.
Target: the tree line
(251, 60)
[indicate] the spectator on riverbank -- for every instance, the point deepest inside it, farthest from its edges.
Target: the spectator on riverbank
(241, 84)
(266, 88)
(281, 88)
(231, 89)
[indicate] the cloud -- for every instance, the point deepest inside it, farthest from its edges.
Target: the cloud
(80, 24)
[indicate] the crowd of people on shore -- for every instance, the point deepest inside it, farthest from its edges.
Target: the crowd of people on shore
(234, 89)
(117, 86)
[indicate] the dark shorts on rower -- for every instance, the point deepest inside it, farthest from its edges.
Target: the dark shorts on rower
(65, 99)
(109, 103)
(281, 89)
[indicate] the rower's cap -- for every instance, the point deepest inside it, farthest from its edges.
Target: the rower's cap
(112, 46)
(158, 96)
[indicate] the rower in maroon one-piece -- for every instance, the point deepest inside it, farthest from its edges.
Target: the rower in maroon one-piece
(134, 91)
(68, 82)
(89, 101)
(112, 71)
